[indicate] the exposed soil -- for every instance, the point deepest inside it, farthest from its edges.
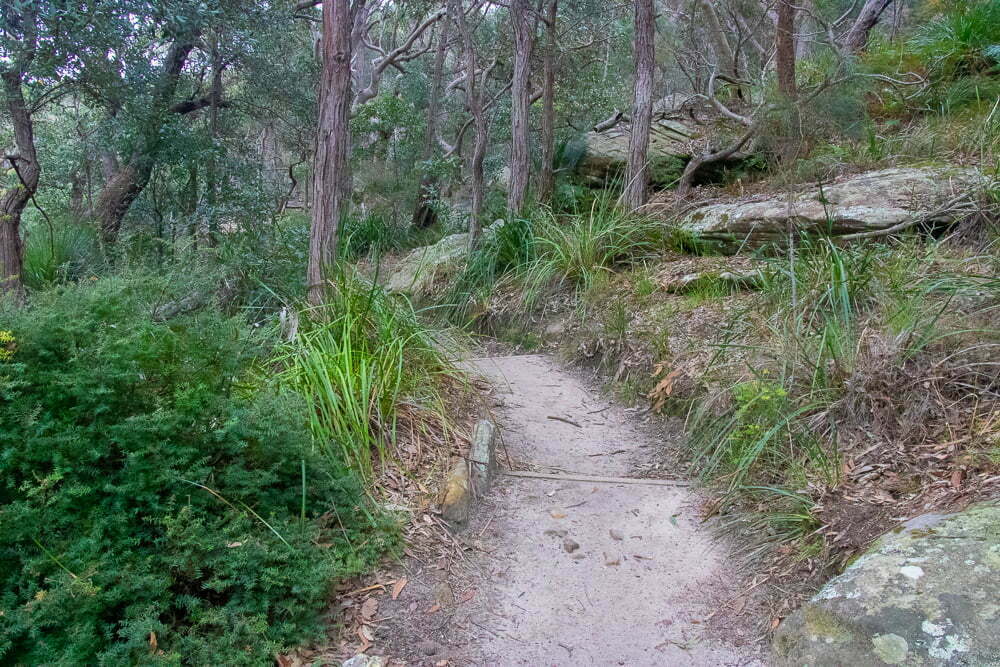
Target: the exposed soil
(556, 572)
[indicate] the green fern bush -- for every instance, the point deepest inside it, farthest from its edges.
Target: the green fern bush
(156, 507)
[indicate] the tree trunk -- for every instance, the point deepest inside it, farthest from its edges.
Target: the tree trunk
(474, 101)
(129, 180)
(856, 38)
(331, 175)
(784, 39)
(519, 160)
(726, 59)
(637, 176)
(209, 223)
(546, 180)
(15, 198)
(423, 213)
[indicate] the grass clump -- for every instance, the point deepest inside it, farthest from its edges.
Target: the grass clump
(156, 503)
(60, 252)
(533, 256)
(363, 362)
(866, 354)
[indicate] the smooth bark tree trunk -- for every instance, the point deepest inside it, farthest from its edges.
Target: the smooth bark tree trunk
(856, 38)
(546, 179)
(519, 159)
(637, 176)
(784, 38)
(131, 178)
(474, 102)
(26, 168)
(423, 213)
(331, 169)
(725, 57)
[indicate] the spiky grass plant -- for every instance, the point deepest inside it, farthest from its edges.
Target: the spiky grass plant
(357, 360)
(576, 249)
(843, 345)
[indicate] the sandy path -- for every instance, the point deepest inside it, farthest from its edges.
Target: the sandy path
(580, 573)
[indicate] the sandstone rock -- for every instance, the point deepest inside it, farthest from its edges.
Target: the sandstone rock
(423, 267)
(482, 456)
(872, 202)
(362, 660)
(428, 647)
(679, 127)
(457, 497)
(926, 594)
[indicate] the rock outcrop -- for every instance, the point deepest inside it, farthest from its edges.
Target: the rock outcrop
(422, 268)
(679, 126)
(874, 203)
(926, 594)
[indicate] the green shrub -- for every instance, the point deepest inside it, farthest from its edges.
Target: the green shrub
(155, 506)
(504, 248)
(265, 261)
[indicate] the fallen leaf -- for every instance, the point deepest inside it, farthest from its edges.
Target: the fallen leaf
(775, 622)
(398, 587)
(152, 642)
(956, 478)
(434, 609)
(466, 596)
(557, 515)
(233, 545)
(369, 608)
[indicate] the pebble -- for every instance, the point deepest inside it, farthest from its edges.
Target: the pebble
(570, 545)
(428, 647)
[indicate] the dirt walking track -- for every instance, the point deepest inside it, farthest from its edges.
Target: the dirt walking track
(566, 572)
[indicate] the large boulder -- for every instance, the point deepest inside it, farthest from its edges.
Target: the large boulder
(926, 594)
(422, 268)
(874, 202)
(680, 126)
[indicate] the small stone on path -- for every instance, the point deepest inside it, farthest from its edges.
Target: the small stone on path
(570, 545)
(428, 647)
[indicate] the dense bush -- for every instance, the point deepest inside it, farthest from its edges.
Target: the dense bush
(155, 505)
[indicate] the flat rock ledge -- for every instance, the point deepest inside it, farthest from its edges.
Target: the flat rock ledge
(870, 204)
(925, 594)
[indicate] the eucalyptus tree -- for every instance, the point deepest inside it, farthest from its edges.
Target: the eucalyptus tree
(550, 56)
(473, 81)
(637, 175)
(19, 24)
(524, 39)
(345, 31)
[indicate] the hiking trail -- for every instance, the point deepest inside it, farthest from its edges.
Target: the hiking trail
(570, 572)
